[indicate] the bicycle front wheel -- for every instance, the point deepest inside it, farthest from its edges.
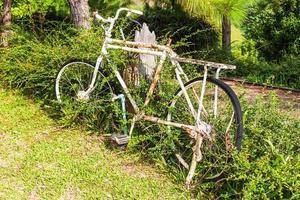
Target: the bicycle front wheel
(223, 117)
(73, 80)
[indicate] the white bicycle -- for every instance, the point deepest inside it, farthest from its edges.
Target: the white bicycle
(204, 116)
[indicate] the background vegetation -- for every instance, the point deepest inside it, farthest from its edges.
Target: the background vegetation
(267, 167)
(272, 25)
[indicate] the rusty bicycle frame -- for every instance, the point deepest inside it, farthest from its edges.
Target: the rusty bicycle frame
(197, 131)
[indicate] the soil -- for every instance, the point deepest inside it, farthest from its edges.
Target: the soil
(289, 98)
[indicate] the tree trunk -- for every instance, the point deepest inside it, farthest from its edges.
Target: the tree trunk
(6, 17)
(141, 64)
(226, 34)
(80, 13)
(6, 21)
(148, 62)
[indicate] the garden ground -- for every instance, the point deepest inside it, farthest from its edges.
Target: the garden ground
(40, 160)
(289, 99)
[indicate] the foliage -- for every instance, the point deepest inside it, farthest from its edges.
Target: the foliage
(27, 8)
(108, 7)
(214, 10)
(39, 58)
(266, 168)
(285, 73)
(272, 25)
(199, 35)
(268, 164)
(220, 13)
(253, 68)
(53, 9)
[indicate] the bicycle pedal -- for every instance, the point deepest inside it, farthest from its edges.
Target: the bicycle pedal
(121, 140)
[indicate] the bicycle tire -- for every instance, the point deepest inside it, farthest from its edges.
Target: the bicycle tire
(180, 134)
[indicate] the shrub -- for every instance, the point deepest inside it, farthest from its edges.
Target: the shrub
(31, 63)
(254, 68)
(267, 166)
(189, 34)
(272, 25)
(284, 73)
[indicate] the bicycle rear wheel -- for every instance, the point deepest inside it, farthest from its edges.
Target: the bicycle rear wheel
(225, 123)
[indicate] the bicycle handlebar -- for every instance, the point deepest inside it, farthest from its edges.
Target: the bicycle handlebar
(138, 12)
(128, 10)
(100, 18)
(112, 21)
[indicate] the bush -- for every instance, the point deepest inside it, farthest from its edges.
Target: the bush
(189, 34)
(284, 73)
(272, 25)
(267, 166)
(31, 63)
(251, 67)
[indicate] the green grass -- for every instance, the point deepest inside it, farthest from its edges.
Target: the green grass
(39, 160)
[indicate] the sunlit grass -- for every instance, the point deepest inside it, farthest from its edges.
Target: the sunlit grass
(39, 160)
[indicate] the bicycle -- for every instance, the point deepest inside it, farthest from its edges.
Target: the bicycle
(205, 112)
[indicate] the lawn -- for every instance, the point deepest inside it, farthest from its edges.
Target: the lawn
(40, 160)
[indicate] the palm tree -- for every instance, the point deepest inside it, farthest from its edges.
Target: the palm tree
(219, 12)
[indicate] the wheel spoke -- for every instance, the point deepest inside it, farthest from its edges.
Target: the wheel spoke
(69, 81)
(75, 77)
(223, 127)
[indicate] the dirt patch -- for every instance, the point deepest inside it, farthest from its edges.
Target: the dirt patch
(289, 99)
(3, 163)
(71, 193)
(33, 195)
(141, 171)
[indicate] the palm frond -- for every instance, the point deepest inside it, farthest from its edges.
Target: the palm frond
(214, 10)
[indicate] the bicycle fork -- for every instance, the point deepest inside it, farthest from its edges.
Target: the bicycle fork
(84, 95)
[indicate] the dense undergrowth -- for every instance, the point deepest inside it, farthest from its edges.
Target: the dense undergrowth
(285, 73)
(266, 168)
(252, 67)
(268, 165)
